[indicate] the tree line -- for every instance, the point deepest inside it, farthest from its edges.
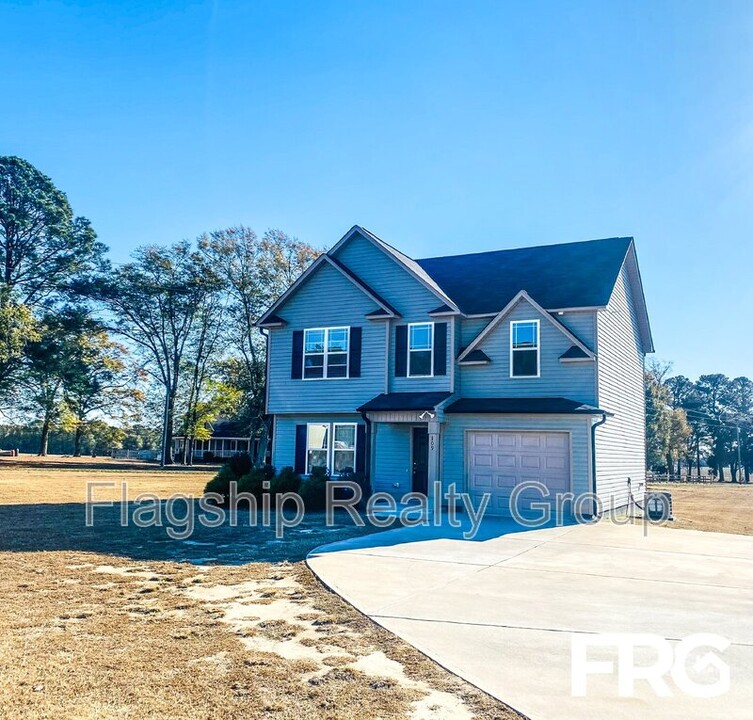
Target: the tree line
(96, 354)
(691, 423)
(165, 340)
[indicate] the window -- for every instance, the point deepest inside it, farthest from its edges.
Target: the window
(344, 448)
(524, 348)
(325, 353)
(317, 446)
(420, 349)
(340, 455)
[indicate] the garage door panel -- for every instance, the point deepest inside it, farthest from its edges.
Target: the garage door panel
(518, 457)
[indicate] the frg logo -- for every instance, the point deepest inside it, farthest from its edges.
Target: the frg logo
(675, 661)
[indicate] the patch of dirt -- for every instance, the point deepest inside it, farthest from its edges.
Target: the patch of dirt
(85, 634)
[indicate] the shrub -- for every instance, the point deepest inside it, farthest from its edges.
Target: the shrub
(208, 456)
(361, 480)
(253, 481)
(240, 464)
(220, 483)
(313, 490)
(287, 481)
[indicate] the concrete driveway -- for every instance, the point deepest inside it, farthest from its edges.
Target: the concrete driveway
(504, 610)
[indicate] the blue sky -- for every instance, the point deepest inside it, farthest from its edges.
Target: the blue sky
(442, 126)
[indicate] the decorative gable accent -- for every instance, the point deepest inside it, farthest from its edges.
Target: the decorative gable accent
(574, 354)
(475, 357)
(502, 314)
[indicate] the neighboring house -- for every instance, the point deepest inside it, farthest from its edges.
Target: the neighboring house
(227, 439)
(484, 370)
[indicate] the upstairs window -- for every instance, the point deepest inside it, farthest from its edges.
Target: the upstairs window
(325, 353)
(420, 349)
(524, 349)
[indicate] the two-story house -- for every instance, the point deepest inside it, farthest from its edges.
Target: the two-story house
(484, 370)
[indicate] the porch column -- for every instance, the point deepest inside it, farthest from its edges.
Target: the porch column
(433, 466)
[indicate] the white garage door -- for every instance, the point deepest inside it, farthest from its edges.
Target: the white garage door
(498, 461)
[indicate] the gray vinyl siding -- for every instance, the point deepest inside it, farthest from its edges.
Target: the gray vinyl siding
(453, 467)
(326, 299)
(283, 449)
(392, 466)
(620, 442)
(582, 324)
(406, 294)
(575, 381)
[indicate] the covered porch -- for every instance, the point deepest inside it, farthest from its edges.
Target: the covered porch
(405, 439)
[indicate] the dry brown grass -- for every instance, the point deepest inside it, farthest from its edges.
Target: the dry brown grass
(57, 479)
(715, 507)
(87, 635)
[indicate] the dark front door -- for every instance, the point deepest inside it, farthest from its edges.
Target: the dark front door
(421, 460)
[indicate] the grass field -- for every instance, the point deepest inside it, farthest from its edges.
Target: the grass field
(94, 625)
(715, 507)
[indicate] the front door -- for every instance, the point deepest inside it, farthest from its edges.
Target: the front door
(421, 460)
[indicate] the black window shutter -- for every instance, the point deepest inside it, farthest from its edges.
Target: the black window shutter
(354, 369)
(300, 449)
(296, 363)
(361, 448)
(440, 348)
(401, 351)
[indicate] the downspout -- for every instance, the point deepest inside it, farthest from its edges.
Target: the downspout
(593, 452)
(367, 447)
(268, 421)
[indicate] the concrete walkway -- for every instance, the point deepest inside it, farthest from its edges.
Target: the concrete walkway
(502, 610)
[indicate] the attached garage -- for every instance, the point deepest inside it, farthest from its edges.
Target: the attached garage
(498, 461)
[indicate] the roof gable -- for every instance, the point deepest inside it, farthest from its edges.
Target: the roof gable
(639, 299)
(523, 296)
(270, 318)
(406, 263)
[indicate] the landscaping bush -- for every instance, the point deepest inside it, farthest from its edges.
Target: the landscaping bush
(361, 480)
(313, 490)
(240, 464)
(287, 481)
(208, 456)
(253, 481)
(220, 483)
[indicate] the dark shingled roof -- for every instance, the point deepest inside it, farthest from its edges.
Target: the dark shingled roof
(574, 353)
(405, 401)
(553, 405)
(580, 274)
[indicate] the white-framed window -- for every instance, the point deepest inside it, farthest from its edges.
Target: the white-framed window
(317, 446)
(325, 353)
(421, 349)
(524, 349)
(332, 446)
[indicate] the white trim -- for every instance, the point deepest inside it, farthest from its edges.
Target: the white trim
(330, 449)
(523, 295)
(537, 323)
(326, 331)
(431, 367)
